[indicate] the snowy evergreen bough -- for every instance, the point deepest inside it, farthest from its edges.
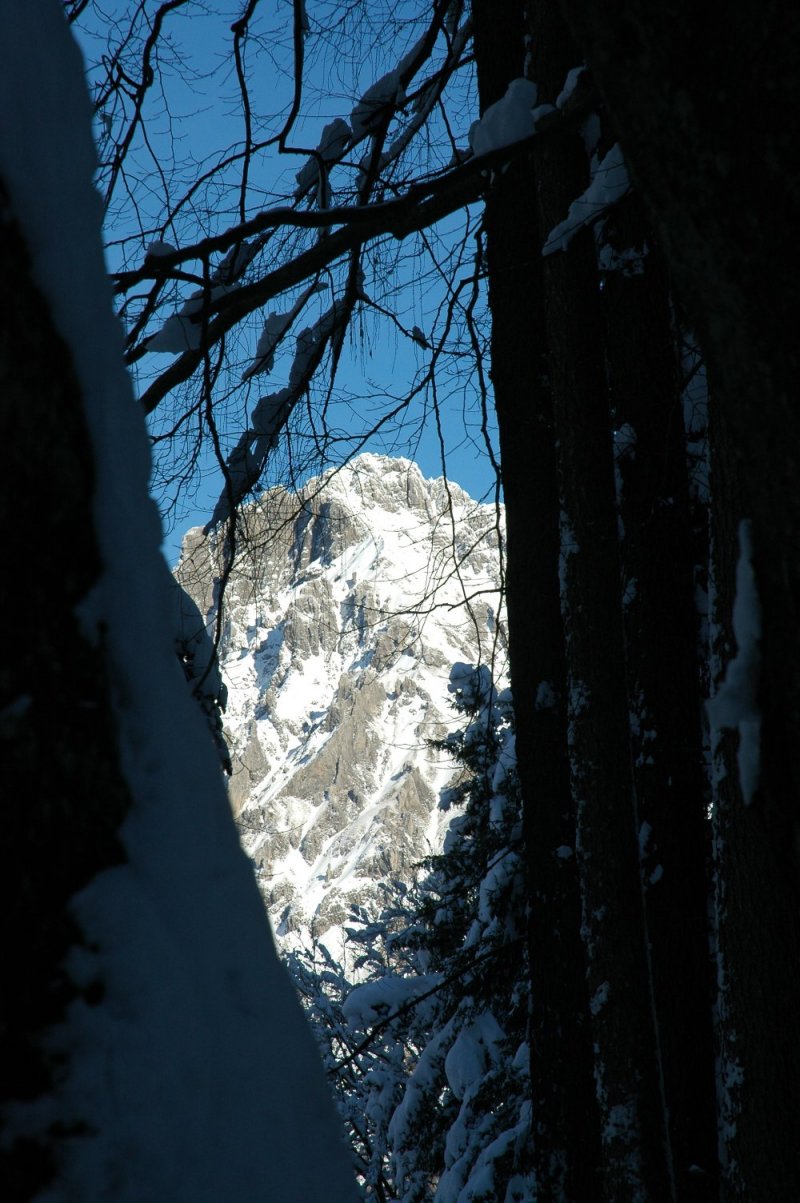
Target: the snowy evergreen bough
(429, 1054)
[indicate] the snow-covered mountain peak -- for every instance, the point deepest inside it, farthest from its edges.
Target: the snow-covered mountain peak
(349, 603)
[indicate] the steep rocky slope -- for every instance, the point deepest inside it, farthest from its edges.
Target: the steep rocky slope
(346, 610)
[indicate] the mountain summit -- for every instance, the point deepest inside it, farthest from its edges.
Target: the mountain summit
(349, 603)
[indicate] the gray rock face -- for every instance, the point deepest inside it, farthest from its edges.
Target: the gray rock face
(346, 609)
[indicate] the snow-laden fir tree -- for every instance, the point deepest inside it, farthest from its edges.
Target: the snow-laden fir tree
(429, 1055)
(366, 1071)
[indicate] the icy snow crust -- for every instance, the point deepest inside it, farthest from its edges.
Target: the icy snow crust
(195, 1077)
(381, 608)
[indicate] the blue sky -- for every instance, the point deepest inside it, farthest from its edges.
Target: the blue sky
(199, 112)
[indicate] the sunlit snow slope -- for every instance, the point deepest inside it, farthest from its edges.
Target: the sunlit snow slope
(343, 617)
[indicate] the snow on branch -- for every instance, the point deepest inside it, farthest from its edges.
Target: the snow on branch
(421, 206)
(388, 92)
(271, 413)
(382, 96)
(426, 100)
(275, 327)
(336, 137)
(183, 330)
(576, 78)
(370, 1002)
(610, 182)
(508, 120)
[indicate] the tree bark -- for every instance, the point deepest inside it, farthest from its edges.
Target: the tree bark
(636, 1162)
(662, 649)
(756, 929)
(707, 113)
(566, 1148)
(636, 1159)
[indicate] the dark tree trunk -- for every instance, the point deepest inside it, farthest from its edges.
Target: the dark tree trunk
(661, 632)
(758, 947)
(721, 186)
(635, 1158)
(566, 1148)
(64, 792)
(707, 112)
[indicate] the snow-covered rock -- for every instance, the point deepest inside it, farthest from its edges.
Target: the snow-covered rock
(342, 619)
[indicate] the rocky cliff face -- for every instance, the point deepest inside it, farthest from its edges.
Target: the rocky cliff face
(346, 610)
